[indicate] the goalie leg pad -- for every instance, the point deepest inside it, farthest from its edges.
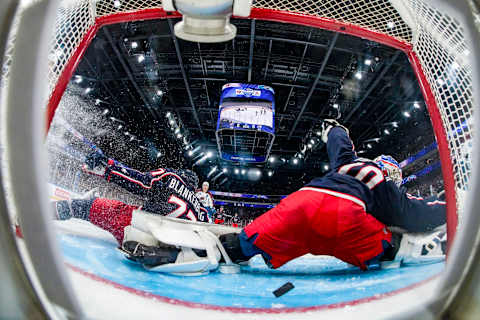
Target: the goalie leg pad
(188, 238)
(131, 233)
(186, 264)
(200, 248)
(422, 248)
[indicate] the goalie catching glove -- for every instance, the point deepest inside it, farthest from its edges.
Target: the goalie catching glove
(327, 125)
(95, 163)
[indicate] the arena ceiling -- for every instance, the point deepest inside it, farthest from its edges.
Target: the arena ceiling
(137, 72)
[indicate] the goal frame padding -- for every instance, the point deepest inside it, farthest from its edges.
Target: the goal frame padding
(299, 19)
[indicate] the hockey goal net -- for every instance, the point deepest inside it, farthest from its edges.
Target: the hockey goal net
(433, 41)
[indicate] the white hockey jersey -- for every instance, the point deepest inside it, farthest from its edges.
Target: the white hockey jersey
(206, 198)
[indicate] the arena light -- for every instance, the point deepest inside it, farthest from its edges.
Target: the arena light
(141, 58)
(295, 161)
(224, 170)
(368, 62)
(223, 181)
(217, 176)
(244, 171)
(207, 20)
(197, 148)
(326, 167)
(270, 173)
(212, 171)
(201, 160)
(209, 154)
(190, 153)
(134, 44)
(271, 159)
(236, 171)
(199, 156)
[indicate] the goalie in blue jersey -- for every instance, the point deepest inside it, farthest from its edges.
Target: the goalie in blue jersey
(345, 214)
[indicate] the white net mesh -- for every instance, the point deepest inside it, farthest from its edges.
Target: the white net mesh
(436, 39)
(375, 15)
(443, 53)
(74, 19)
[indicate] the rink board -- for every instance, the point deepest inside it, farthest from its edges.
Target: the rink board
(318, 281)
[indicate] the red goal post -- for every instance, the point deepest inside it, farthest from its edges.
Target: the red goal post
(433, 42)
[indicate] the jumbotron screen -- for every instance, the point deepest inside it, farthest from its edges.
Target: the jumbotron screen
(246, 106)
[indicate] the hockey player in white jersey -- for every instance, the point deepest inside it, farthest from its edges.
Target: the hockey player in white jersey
(206, 199)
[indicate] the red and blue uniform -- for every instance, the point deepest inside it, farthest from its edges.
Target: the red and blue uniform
(343, 214)
(168, 192)
(363, 179)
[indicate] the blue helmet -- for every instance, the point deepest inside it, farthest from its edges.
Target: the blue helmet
(390, 168)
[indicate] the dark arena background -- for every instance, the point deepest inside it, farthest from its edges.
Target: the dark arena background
(142, 88)
(399, 75)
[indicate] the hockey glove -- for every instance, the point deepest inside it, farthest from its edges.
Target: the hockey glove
(95, 163)
(95, 159)
(327, 125)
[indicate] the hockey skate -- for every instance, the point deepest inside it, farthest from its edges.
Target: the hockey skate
(417, 249)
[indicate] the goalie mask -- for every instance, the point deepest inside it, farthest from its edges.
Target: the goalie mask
(390, 168)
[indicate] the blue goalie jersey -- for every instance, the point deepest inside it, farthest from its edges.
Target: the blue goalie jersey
(363, 179)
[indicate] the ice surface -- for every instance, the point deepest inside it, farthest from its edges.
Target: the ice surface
(319, 281)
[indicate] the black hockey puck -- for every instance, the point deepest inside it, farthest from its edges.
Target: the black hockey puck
(283, 289)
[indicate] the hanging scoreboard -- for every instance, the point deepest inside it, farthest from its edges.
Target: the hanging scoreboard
(246, 122)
